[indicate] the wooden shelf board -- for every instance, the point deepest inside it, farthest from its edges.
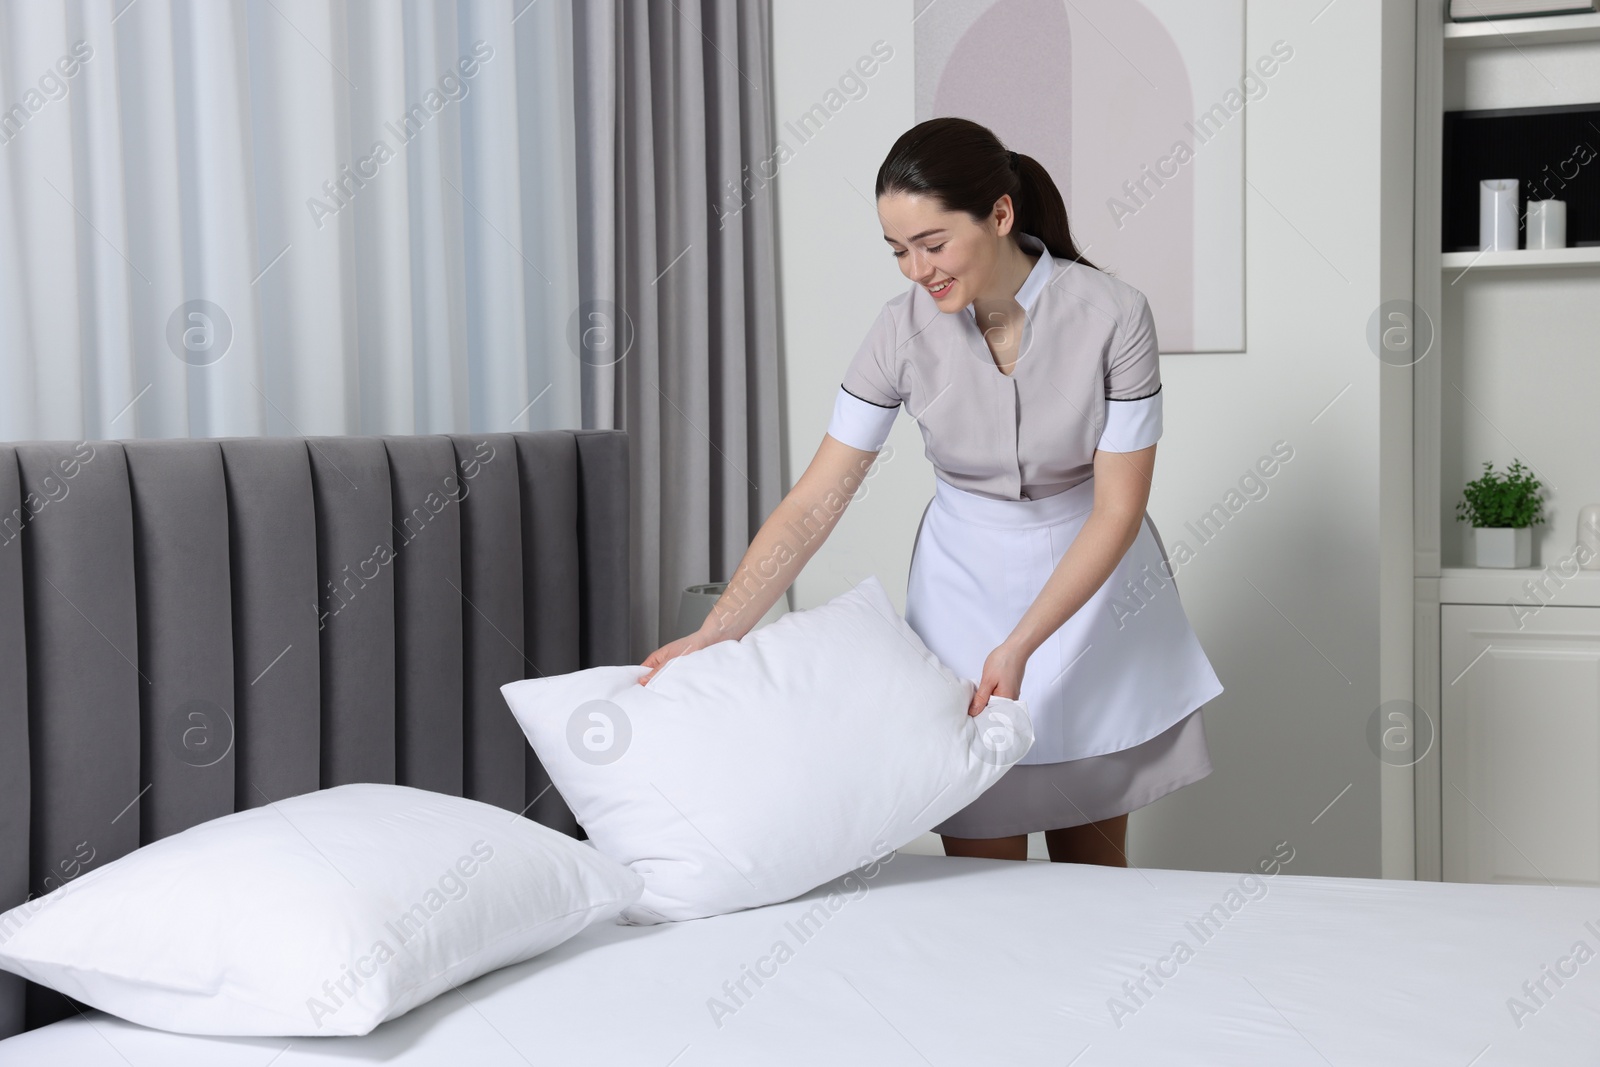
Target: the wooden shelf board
(1503, 585)
(1522, 258)
(1542, 29)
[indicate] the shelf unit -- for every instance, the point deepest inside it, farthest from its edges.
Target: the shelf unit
(1467, 400)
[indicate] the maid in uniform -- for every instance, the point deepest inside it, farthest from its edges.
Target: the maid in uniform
(1018, 414)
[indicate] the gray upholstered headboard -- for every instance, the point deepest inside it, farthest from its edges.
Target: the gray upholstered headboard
(193, 627)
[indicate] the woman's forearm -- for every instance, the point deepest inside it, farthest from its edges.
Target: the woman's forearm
(788, 539)
(1100, 545)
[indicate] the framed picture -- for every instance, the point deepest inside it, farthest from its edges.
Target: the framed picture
(1136, 108)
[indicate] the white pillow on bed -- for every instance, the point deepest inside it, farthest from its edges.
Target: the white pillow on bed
(751, 771)
(325, 913)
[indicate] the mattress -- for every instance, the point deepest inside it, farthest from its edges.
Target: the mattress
(935, 960)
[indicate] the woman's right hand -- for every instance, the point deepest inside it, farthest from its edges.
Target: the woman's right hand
(682, 646)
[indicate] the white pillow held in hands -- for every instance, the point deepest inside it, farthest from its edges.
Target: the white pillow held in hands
(751, 771)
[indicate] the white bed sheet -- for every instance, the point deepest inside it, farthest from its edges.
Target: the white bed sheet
(937, 960)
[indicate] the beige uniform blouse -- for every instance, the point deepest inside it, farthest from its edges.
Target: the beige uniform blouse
(1087, 377)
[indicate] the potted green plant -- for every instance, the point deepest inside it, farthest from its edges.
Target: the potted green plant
(1503, 509)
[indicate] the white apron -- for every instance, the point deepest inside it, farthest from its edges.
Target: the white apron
(1119, 671)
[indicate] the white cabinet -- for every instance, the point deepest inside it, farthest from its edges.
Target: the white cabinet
(1519, 738)
(1511, 792)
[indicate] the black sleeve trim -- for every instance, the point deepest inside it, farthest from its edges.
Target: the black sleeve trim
(874, 403)
(1147, 396)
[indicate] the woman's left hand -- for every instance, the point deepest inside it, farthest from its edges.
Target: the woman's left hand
(1002, 676)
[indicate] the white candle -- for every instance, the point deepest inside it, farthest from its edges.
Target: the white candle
(1497, 214)
(1547, 224)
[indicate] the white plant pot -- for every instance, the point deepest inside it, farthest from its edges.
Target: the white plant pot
(1503, 546)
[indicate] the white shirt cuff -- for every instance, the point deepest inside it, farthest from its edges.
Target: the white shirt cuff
(860, 424)
(1131, 424)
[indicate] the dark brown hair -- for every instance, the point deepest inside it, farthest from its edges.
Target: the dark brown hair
(962, 166)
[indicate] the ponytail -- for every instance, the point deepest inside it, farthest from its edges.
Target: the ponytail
(1041, 211)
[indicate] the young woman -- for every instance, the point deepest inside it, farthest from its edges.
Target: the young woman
(1034, 379)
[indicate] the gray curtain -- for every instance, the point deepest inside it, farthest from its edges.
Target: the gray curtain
(597, 179)
(677, 258)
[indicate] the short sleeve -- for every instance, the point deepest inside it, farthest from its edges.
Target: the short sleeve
(1133, 385)
(869, 397)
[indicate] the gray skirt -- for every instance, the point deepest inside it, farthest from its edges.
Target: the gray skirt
(1048, 796)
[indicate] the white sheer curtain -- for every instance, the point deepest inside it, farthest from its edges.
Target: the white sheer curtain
(286, 217)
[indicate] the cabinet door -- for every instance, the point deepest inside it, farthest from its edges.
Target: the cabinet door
(1519, 744)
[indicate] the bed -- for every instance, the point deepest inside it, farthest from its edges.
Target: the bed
(961, 961)
(153, 596)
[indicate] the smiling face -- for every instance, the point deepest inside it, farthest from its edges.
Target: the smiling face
(945, 252)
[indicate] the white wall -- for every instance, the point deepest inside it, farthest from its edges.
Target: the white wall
(1286, 598)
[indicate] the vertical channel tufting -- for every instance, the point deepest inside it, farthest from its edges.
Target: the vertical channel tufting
(427, 612)
(548, 466)
(604, 541)
(355, 576)
(294, 577)
(14, 775)
(272, 538)
(180, 558)
(491, 589)
(84, 683)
